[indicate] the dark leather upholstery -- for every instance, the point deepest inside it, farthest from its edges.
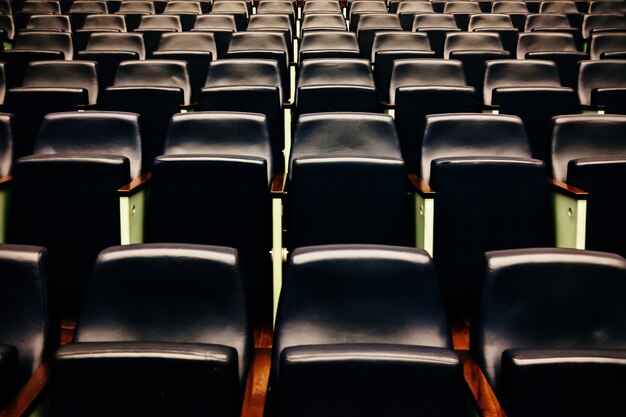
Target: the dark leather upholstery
(408, 9)
(322, 22)
(30, 8)
(517, 10)
(186, 11)
(28, 331)
(325, 7)
(347, 182)
(426, 86)
(16, 61)
(6, 143)
(328, 44)
(597, 7)
(64, 74)
(597, 78)
(237, 9)
(155, 89)
(79, 10)
(51, 23)
(193, 348)
(381, 362)
(152, 27)
(588, 153)
(45, 41)
(548, 299)
(390, 46)
(436, 26)
(7, 26)
(362, 8)
(133, 11)
(593, 23)
(369, 25)
(604, 44)
(496, 23)
(222, 27)
(334, 84)
(461, 11)
(63, 197)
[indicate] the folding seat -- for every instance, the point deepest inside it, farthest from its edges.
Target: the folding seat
(27, 333)
(436, 26)
(96, 152)
(517, 10)
(133, 11)
(335, 85)
(390, 46)
(328, 44)
(7, 28)
(156, 90)
(249, 85)
(366, 201)
(603, 83)
(549, 331)
(222, 27)
(553, 23)
(567, 8)
(321, 7)
(80, 9)
(360, 8)
(474, 50)
(187, 11)
(249, 4)
(419, 87)
(140, 351)
(408, 9)
(152, 27)
(237, 9)
(532, 90)
(273, 23)
(109, 49)
(496, 23)
(322, 22)
(34, 8)
(608, 45)
(599, 7)
(97, 23)
(377, 344)
(264, 45)
(197, 49)
(48, 23)
(230, 153)
(588, 153)
(594, 23)
(557, 47)
(371, 24)
(465, 158)
(461, 10)
(49, 87)
(286, 8)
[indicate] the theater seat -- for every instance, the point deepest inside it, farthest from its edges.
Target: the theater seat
(608, 46)
(221, 26)
(603, 83)
(161, 326)
(328, 44)
(549, 331)
(436, 26)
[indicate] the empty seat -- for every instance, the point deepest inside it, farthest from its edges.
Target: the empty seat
(594, 23)
(369, 25)
(517, 10)
(436, 26)
(287, 8)
(187, 11)
(134, 10)
(361, 8)
(328, 44)
(588, 153)
(48, 87)
(408, 9)
(273, 23)
(28, 334)
(95, 24)
(231, 154)
(497, 23)
(524, 338)
(608, 45)
(461, 10)
(139, 350)
(323, 21)
(153, 27)
(603, 83)
(598, 7)
(318, 7)
(222, 27)
(419, 87)
(48, 23)
(552, 23)
(79, 10)
(95, 152)
(156, 90)
(392, 358)
(238, 9)
(531, 90)
(334, 84)
(557, 47)
(474, 50)
(391, 46)
(35, 8)
(567, 8)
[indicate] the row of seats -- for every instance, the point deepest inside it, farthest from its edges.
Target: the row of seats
(370, 316)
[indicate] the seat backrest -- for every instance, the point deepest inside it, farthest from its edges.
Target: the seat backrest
(6, 143)
(91, 7)
(318, 44)
(58, 23)
(400, 41)
(558, 7)
(584, 136)
(41, 7)
(189, 41)
(335, 71)
(260, 41)
(96, 132)
(596, 7)
(217, 21)
(592, 75)
(230, 7)
(129, 298)
(547, 20)
(464, 41)
(7, 25)
(63, 74)
(600, 22)
(280, 22)
(106, 21)
(243, 72)
(426, 72)
(509, 7)
(519, 73)
(131, 42)
(548, 299)
(489, 21)
(45, 41)
(602, 43)
(472, 135)
(414, 7)
(164, 22)
(434, 21)
(140, 7)
(186, 7)
(544, 42)
(27, 322)
(154, 73)
(461, 7)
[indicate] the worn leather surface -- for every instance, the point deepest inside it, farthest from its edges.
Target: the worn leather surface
(130, 42)
(369, 25)
(600, 22)
(548, 299)
(314, 21)
(328, 44)
(46, 41)
(602, 43)
(16, 61)
(489, 21)
(64, 74)
(593, 75)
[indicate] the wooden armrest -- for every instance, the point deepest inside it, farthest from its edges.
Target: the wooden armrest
(421, 186)
(5, 182)
(279, 183)
(135, 185)
(386, 105)
(256, 385)
(479, 386)
(568, 190)
(29, 392)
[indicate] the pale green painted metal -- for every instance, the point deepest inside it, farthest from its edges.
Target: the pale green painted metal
(590, 112)
(424, 222)
(277, 252)
(287, 150)
(295, 50)
(391, 112)
(570, 220)
(132, 215)
(292, 83)
(5, 197)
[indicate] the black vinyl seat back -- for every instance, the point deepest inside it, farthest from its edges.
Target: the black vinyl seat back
(392, 357)
(105, 22)
(64, 74)
(607, 45)
(328, 44)
(50, 23)
(152, 27)
(323, 22)
(194, 348)
(408, 9)
(436, 26)
(489, 21)
(603, 83)
(222, 27)
(94, 152)
(462, 11)
(548, 299)
(45, 41)
(517, 10)
(587, 152)
(238, 9)
(369, 25)
(7, 121)
(419, 87)
(347, 182)
(593, 23)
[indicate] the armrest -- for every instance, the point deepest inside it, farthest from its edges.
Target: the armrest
(421, 186)
(256, 386)
(5, 182)
(482, 392)
(29, 393)
(567, 190)
(135, 185)
(278, 187)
